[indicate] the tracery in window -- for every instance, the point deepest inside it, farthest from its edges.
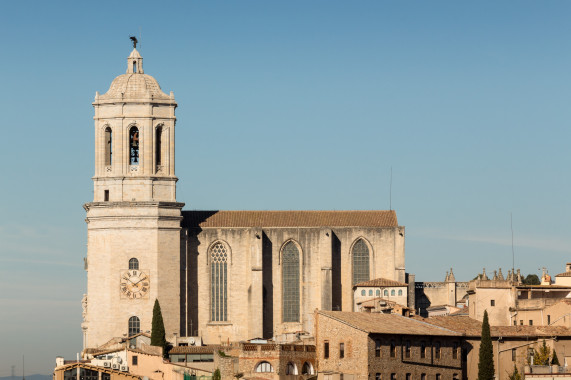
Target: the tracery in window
(134, 326)
(134, 146)
(134, 263)
(290, 283)
(219, 282)
(360, 262)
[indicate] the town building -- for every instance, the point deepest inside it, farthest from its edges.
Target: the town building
(510, 302)
(353, 346)
(439, 297)
(380, 288)
(219, 275)
(512, 345)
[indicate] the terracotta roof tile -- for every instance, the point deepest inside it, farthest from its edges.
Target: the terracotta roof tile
(378, 323)
(564, 274)
(290, 218)
(472, 327)
(380, 282)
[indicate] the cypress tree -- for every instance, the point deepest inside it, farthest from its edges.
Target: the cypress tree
(555, 359)
(486, 357)
(158, 328)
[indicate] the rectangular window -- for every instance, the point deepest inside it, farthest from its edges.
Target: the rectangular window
(407, 349)
(521, 322)
(341, 350)
(438, 377)
(134, 360)
(326, 349)
(513, 354)
(531, 322)
(408, 376)
(493, 303)
(423, 376)
(393, 376)
(515, 322)
(377, 348)
(378, 376)
(341, 376)
(437, 350)
(548, 319)
(422, 350)
(393, 350)
(106, 195)
(455, 351)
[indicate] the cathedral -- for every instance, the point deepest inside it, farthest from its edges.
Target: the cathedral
(220, 276)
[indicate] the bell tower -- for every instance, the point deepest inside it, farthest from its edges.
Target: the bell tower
(133, 223)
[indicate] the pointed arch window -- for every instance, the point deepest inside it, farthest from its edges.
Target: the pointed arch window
(290, 283)
(134, 326)
(219, 282)
(134, 146)
(360, 262)
(108, 147)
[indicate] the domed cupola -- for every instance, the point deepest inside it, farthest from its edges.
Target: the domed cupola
(134, 84)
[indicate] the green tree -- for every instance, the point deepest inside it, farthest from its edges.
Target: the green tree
(541, 357)
(515, 374)
(216, 375)
(531, 279)
(486, 357)
(158, 329)
(555, 359)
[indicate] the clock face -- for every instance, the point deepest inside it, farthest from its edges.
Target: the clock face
(135, 284)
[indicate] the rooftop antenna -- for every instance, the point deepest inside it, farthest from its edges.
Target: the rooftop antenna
(513, 254)
(391, 191)
(140, 37)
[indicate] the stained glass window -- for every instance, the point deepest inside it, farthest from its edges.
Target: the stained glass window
(360, 262)
(219, 282)
(290, 283)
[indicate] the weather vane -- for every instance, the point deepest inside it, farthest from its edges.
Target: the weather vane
(134, 39)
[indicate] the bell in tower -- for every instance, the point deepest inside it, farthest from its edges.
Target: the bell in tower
(133, 223)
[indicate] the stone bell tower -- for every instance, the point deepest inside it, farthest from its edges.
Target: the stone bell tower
(133, 223)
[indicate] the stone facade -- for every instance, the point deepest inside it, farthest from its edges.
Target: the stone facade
(142, 246)
(267, 361)
(382, 346)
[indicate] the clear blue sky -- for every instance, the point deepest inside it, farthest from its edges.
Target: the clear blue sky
(290, 105)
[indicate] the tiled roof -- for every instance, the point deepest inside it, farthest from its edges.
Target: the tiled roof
(564, 274)
(290, 218)
(194, 349)
(380, 282)
(373, 302)
(472, 327)
(464, 311)
(378, 323)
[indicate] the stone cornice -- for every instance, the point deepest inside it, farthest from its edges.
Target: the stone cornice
(159, 204)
